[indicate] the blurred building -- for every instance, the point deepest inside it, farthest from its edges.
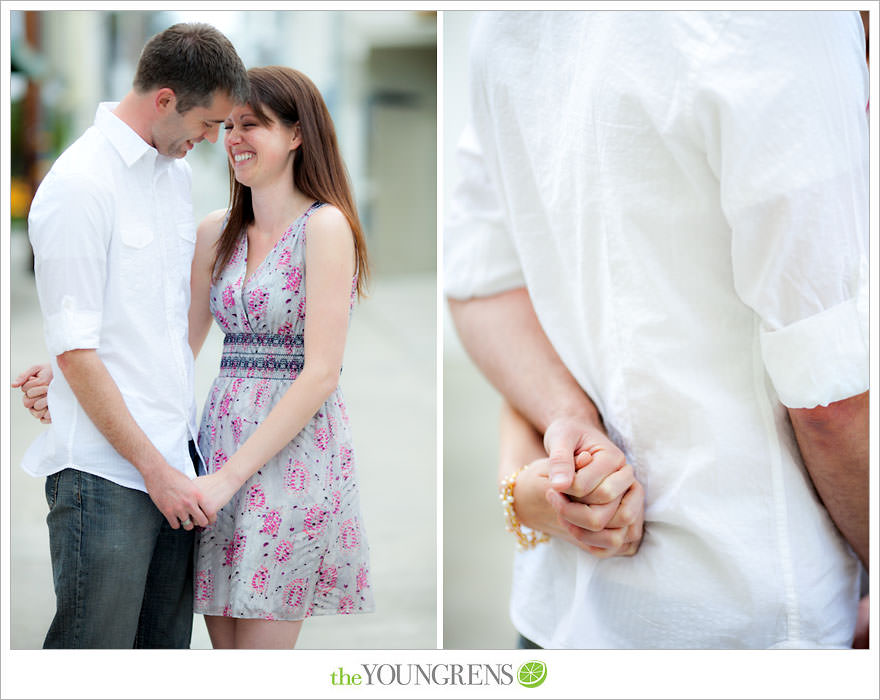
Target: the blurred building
(376, 70)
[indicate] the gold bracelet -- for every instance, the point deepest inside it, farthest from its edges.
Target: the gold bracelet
(525, 540)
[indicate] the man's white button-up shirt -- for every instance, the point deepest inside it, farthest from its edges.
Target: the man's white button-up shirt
(685, 195)
(113, 235)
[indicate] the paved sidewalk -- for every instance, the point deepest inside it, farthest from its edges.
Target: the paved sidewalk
(389, 384)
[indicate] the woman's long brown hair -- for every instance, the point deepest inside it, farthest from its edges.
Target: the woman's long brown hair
(318, 169)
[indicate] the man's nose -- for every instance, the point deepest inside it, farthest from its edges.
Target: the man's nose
(212, 133)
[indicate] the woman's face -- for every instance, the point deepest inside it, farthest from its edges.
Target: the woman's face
(259, 154)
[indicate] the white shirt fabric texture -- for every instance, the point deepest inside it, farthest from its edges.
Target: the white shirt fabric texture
(685, 196)
(113, 234)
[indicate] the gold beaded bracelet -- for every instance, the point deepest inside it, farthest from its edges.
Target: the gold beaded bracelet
(525, 540)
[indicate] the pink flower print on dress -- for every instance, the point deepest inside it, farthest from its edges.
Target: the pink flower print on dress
(331, 425)
(258, 582)
(296, 478)
(321, 439)
(326, 579)
(217, 461)
(337, 502)
(236, 256)
(225, 405)
(295, 593)
(294, 277)
(222, 321)
(343, 411)
(315, 522)
(204, 585)
(346, 605)
(286, 328)
(363, 579)
(236, 386)
(257, 303)
(345, 458)
(235, 549)
(301, 310)
(271, 523)
(260, 393)
(256, 498)
(284, 258)
(236, 430)
(227, 611)
(228, 297)
(350, 535)
(283, 551)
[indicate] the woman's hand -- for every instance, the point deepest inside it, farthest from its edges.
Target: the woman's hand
(216, 490)
(604, 529)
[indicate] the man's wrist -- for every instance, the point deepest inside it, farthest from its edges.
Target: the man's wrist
(580, 413)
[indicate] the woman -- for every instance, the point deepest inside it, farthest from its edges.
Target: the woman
(279, 272)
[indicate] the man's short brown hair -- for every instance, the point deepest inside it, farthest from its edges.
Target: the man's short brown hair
(195, 60)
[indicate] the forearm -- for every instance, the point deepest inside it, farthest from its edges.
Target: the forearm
(100, 398)
(833, 441)
(285, 421)
(502, 335)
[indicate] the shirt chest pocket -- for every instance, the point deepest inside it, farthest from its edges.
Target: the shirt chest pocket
(138, 263)
(136, 236)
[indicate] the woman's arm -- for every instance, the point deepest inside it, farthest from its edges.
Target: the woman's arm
(200, 279)
(329, 271)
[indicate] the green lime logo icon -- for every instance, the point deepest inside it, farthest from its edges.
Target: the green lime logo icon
(531, 674)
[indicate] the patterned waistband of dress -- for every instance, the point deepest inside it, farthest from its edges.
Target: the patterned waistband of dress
(262, 355)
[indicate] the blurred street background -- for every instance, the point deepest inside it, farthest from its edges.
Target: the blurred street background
(377, 72)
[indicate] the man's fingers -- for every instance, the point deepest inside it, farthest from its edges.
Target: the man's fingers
(200, 518)
(604, 463)
(22, 378)
(611, 488)
(33, 391)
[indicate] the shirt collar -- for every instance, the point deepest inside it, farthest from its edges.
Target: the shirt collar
(123, 138)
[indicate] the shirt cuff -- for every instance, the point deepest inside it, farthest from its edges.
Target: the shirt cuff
(820, 359)
(69, 329)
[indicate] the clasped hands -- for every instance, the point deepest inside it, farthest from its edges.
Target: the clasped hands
(596, 502)
(184, 502)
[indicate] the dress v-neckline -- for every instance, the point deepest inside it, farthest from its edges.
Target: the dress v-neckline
(249, 278)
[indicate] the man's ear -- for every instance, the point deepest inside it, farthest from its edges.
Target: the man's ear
(165, 100)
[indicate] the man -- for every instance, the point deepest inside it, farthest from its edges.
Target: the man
(661, 236)
(113, 236)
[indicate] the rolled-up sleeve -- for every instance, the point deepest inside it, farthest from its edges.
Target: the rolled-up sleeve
(479, 258)
(69, 226)
(790, 149)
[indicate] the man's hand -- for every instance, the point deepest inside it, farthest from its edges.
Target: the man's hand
(600, 458)
(178, 498)
(34, 383)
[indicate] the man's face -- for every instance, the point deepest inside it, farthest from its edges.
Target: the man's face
(175, 134)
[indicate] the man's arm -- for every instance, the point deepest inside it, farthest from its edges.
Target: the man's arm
(833, 441)
(174, 494)
(504, 338)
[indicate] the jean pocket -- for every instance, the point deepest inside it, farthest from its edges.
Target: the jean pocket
(52, 488)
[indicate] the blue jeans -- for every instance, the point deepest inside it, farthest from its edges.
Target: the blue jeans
(123, 577)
